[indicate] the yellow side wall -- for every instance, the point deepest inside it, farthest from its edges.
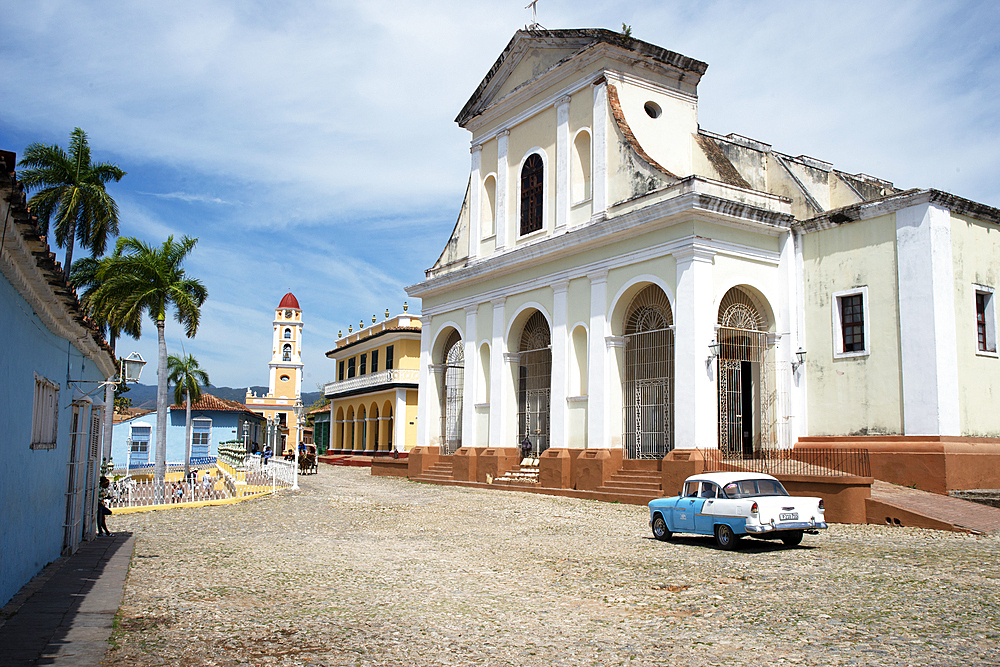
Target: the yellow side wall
(854, 395)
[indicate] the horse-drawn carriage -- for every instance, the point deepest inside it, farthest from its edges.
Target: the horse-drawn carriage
(307, 460)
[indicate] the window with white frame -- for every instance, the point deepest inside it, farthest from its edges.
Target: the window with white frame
(139, 446)
(986, 321)
(45, 414)
(201, 430)
(851, 330)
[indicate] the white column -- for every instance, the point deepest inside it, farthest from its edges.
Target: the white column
(558, 409)
(475, 202)
(599, 154)
(427, 390)
(470, 374)
(501, 214)
(498, 374)
(790, 266)
(399, 421)
(562, 163)
(928, 337)
(696, 398)
(597, 436)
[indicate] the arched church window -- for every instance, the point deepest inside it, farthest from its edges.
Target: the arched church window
(286, 354)
(288, 334)
(531, 194)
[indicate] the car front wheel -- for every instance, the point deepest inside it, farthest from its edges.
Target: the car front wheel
(792, 538)
(725, 537)
(660, 530)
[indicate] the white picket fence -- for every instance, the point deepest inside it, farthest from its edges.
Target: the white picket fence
(127, 491)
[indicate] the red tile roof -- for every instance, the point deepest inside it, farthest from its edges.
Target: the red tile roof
(209, 402)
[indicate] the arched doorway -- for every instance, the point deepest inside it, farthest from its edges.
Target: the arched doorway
(746, 377)
(452, 383)
(648, 387)
(534, 384)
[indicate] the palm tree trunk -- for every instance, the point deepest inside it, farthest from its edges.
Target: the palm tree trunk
(187, 433)
(70, 238)
(160, 469)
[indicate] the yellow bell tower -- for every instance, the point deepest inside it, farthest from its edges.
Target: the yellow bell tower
(284, 388)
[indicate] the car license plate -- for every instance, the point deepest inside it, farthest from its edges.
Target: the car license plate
(790, 516)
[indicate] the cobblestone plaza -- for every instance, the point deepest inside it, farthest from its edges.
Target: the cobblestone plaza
(361, 570)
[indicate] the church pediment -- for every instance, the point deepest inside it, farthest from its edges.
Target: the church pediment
(532, 53)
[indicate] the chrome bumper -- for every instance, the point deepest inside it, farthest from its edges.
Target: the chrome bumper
(787, 525)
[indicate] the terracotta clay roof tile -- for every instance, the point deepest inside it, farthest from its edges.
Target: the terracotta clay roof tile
(209, 402)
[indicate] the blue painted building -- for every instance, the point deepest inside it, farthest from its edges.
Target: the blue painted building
(213, 419)
(53, 366)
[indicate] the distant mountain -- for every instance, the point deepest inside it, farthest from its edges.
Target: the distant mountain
(144, 395)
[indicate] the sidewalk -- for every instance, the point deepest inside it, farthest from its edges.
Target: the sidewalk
(63, 616)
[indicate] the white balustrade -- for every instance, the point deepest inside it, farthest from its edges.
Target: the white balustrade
(390, 376)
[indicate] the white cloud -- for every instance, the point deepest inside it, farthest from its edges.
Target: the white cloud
(313, 149)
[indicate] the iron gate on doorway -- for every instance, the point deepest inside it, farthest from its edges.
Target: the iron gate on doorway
(648, 397)
(452, 386)
(648, 388)
(753, 398)
(534, 385)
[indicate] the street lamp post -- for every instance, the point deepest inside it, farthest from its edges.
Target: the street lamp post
(298, 437)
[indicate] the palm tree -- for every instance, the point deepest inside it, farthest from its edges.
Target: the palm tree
(83, 276)
(72, 190)
(138, 278)
(188, 379)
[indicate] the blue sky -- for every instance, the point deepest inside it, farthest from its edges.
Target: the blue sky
(311, 145)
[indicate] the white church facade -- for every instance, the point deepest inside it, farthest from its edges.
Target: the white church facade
(620, 279)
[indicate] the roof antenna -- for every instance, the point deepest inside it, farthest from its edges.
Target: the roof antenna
(534, 25)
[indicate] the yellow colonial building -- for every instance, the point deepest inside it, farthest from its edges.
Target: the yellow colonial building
(284, 388)
(373, 402)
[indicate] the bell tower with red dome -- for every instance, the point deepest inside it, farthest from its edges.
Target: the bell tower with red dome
(284, 387)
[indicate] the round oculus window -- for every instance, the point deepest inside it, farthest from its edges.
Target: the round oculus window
(284, 378)
(653, 109)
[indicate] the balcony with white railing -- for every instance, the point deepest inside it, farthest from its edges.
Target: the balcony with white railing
(377, 379)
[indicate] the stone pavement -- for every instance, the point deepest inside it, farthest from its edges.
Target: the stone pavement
(64, 615)
(363, 571)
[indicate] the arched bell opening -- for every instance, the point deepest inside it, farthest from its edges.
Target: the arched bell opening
(648, 383)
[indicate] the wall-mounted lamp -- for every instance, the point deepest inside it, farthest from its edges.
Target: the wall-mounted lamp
(129, 371)
(713, 349)
(800, 358)
(132, 367)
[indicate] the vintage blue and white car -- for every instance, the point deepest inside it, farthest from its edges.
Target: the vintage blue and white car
(730, 505)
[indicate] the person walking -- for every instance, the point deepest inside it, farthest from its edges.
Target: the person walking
(102, 512)
(206, 485)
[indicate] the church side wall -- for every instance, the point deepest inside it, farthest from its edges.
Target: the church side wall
(853, 395)
(976, 258)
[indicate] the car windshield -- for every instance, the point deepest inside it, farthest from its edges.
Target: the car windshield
(746, 488)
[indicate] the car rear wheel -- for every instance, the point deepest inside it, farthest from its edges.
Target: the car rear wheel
(791, 538)
(660, 530)
(725, 537)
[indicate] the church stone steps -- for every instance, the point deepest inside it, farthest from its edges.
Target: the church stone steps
(442, 471)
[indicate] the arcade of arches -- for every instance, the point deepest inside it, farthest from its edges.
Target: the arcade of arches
(542, 389)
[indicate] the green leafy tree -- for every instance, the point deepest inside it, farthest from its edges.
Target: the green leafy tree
(188, 379)
(142, 279)
(71, 194)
